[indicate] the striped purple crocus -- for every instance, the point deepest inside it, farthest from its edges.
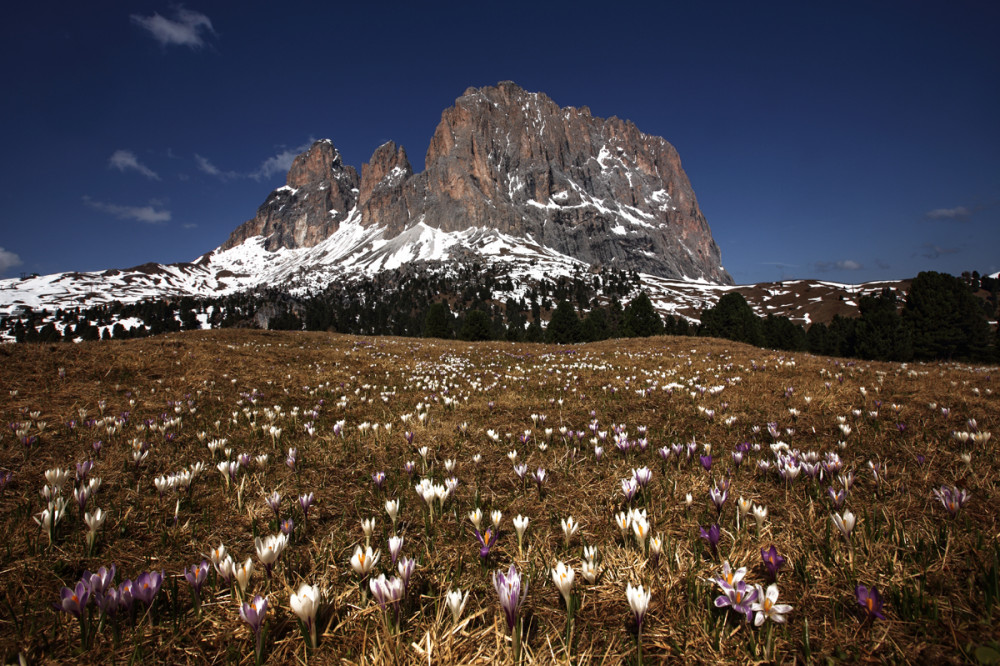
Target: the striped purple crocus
(511, 593)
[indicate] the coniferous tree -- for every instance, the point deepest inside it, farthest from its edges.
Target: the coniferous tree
(476, 326)
(640, 318)
(564, 327)
(880, 332)
(945, 318)
(438, 323)
(732, 318)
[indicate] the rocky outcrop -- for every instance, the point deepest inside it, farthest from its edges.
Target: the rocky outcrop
(320, 192)
(502, 158)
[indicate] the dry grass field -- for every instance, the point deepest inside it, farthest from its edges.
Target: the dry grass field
(909, 446)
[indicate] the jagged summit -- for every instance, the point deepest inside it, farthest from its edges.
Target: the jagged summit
(504, 159)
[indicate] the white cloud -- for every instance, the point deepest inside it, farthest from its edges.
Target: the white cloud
(956, 213)
(8, 260)
(280, 163)
(186, 29)
(842, 265)
(123, 160)
(147, 214)
(207, 167)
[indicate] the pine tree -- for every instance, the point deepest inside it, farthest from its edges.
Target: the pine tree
(640, 319)
(438, 323)
(946, 319)
(564, 327)
(732, 318)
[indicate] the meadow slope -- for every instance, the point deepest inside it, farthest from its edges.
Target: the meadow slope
(805, 428)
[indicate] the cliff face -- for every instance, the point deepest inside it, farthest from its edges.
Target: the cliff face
(319, 194)
(502, 158)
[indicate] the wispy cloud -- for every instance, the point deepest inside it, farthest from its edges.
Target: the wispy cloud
(281, 162)
(8, 260)
(147, 214)
(956, 213)
(187, 28)
(842, 265)
(125, 160)
(205, 166)
(932, 251)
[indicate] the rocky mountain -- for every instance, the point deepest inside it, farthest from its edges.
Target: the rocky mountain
(512, 182)
(509, 161)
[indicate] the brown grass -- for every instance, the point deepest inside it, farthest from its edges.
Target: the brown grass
(904, 540)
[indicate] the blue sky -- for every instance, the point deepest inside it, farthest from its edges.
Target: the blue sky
(848, 141)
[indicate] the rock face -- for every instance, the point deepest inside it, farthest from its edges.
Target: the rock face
(502, 158)
(319, 194)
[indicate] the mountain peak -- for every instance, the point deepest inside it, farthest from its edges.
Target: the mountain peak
(502, 158)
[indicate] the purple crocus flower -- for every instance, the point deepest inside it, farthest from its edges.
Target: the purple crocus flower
(253, 613)
(196, 575)
(508, 587)
(306, 501)
(108, 601)
(952, 498)
(772, 561)
(706, 462)
(739, 597)
(74, 600)
(870, 600)
(718, 498)
(837, 497)
(486, 541)
(642, 476)
(409, 467)
(98, 582)
(287, 526)
(405, 569)
(274, 501)
(378, 478)
(126, 595)
(147, 586)
(711, 535)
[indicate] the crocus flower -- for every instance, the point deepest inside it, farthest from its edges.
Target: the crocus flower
(642, 476)
(287, 527)
(269, 548)
(870, 600)
(589, 571)
(844, 523)
(759, 514)
(305, 605)
(718, 498)
(569, 527)
(563, 577)
(767, 607)
(253, 614)
(147, 586)
(711, 535)
(730, 576)
(508, 587)
(495, 517)
(305, 501)
(243, 573)
(395, 546)
(772, 561)
(456, 602)
(364, 560)
(392, 508)
(739, 597)
(196, 575)
(101, 581)
(386, 591)
(706, 462)
(378, 478)
(486, 541)
(476, 517)
(655, 548)
(520, 525)
(405, 569)
(274, 501)
(952, 498)
(837, 497)
(638, 601)
(74, 600)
